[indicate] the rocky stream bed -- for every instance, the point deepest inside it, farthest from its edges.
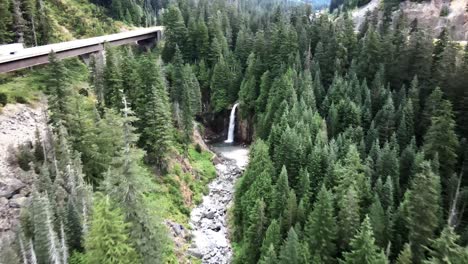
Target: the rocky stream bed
(209, 219)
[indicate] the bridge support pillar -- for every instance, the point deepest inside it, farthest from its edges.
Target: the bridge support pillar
(147, 44)
(93, 56)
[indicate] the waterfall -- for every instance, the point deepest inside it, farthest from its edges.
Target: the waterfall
(232, 124)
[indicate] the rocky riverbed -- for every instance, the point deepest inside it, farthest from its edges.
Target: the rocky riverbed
(209, 219)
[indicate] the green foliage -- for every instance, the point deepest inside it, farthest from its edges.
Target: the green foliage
(321, 228)
(363, 249)
(424, 193)
(441, 139)
(108, 238)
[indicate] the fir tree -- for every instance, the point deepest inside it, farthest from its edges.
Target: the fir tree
(108, 238)
(321, 229)
(424, 210)
(272, 238)
(291, 249)
(175, 32)
(363, 249)
(441, 140)
(405, 256)
(445, 249)
(255, 232)
(58, 91)
(280, 194)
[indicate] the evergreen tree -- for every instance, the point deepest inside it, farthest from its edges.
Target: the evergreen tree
(291, 249)
(363, 249)
(320, 229)
(157, 132)
(269, 257)
(424, 210)
(441, 140)
(175, 33)
(405, 256)
(108, 238)
(446, 250)
(112, 80)
(377, 220)
(5, 22)
(280, 194)
(272, 238)
(220, 83)
(348, 217)
(255, 231)
(58, 91)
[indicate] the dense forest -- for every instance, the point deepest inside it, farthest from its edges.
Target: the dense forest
(359, 150)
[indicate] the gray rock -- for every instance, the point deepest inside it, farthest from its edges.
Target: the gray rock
(18, 202)
(210, 215)
(9, 186)
(195, 253)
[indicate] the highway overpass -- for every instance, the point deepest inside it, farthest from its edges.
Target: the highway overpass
(28, 57)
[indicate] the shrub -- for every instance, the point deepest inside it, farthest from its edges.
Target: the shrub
(24, 156)
(3, 99)
(444, 11)
(21, 100)
(198, 148)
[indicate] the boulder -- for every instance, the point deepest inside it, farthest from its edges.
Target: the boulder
(18, 202)
(195, 253)
(9, 186)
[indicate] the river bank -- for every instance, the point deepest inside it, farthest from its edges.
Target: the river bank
(209, 219)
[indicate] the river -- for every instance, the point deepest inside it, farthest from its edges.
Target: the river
(209, 219)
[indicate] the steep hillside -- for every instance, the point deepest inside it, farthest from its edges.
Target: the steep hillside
(439, 14)
(38, 22)
(434, 15)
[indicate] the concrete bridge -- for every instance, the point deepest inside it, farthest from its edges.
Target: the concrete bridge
(24, 58)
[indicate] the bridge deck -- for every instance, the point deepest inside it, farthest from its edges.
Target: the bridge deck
(37, 55)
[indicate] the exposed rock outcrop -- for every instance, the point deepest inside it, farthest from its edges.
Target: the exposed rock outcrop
(18, 123)
(429, 16)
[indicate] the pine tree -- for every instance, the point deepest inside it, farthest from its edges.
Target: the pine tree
(112, 80)
(108, 238)
(442, 140)
(424, 210)
(58, 90)
(5, 22)
(289, 215)
(219, 85)
(73, 227)
(446, 250)
(248, 90)
(405, 256)
(126, 182)
(291, 250)
(363, 249)
(272, 238)
(348, 217)
(280, 194)
(269, 257)
(45, 238)
(321, 228)
(377, 220)
(157, 132)
(175, 33)
(255, 231)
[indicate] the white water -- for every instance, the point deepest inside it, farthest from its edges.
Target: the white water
(208, 220)
(232, 125)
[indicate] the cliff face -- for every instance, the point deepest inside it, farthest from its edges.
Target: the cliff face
(429, 16)
(18, 123)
